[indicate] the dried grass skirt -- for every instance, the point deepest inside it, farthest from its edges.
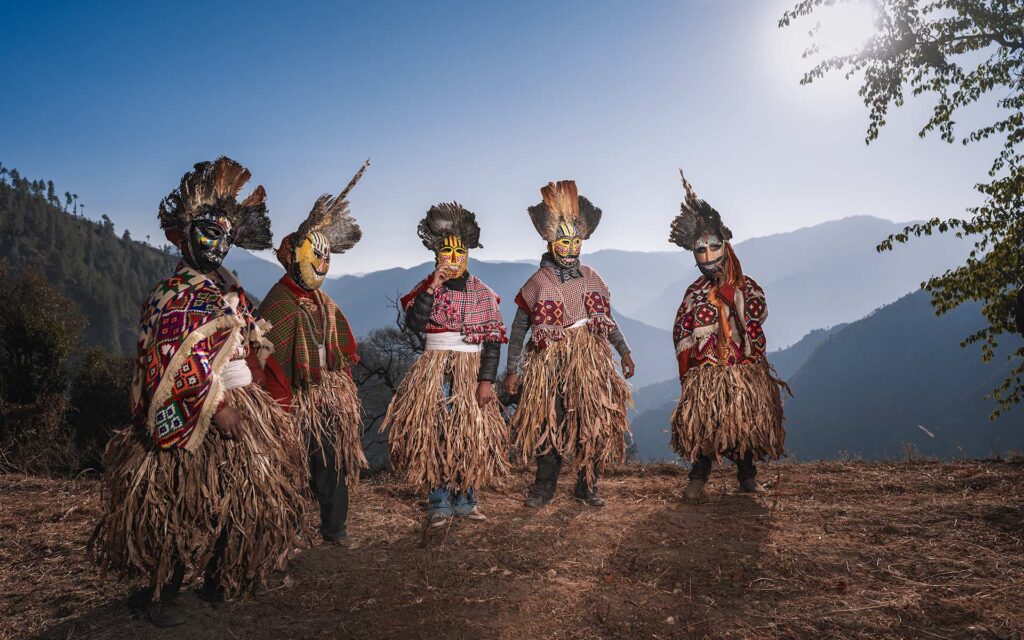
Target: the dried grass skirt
(330, 414)
(445, 442)
(730, 410)
(162, 507)
(580, 370)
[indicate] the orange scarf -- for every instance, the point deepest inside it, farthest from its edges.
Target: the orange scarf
(733, 279)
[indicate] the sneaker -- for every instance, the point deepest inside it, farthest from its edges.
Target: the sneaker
(694, 489)
(475, 514)
(750, 485)
(440, 519)
(165, 614)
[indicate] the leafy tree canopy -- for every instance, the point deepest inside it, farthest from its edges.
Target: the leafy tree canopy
(958, 53)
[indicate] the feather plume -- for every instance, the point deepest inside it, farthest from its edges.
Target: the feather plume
(562, 203)
(589, 218)
(215, 185)
(696, 218)
(449, 219)
(330, 216)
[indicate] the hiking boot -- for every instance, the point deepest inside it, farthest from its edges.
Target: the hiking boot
(750, 485)
(590, 498)
(476, 515)
(537, 500)
(164, 614)
(343, 541)
(694, 489)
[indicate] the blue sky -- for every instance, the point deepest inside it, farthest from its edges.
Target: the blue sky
(478, 102)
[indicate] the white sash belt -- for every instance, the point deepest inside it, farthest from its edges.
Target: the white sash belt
(235, 374)
(578, 323)
(449, 341)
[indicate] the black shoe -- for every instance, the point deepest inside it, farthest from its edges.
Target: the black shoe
(590, 498)
(165, 614)
(536, 500)
(751, 485)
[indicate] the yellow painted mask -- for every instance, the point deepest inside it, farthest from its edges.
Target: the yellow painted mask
(311, 259)
(567, 247)
(453, 257)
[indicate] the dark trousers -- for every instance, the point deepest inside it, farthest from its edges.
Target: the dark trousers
(549, 466)
(327, 482)
(745, 469)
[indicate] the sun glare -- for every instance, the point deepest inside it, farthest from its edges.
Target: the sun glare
(835, 30)
(844, 27)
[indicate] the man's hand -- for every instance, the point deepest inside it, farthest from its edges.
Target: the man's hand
(228, 422)
(437, 279)
(511, 383)
(485, 393)
(628, 368)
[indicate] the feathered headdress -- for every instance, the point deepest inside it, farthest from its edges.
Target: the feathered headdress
(330, 216)
(449, 219)
(562, 204)
(696, 218)
(214, 186)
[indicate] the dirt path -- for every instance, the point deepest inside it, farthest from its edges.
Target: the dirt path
(840, 550)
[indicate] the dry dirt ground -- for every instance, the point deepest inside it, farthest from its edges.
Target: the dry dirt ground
(855, 550)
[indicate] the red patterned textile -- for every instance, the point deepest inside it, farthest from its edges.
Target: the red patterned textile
(474, 312)
(554, 305)
(191, 327)
(697, 333)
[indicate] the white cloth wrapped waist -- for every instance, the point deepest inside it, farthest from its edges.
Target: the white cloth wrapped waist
(449, 341)
(579, 323)
(235, 374)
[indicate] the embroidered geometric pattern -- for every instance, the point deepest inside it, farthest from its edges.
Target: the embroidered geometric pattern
(554, 305)
(179, 305)
(696, 326)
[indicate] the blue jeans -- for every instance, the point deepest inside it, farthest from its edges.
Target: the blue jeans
(443, 501)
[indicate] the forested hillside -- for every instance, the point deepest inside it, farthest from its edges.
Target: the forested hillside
(107, 275)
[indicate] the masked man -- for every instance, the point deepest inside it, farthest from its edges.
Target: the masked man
(310, 371)
(731, 403)
(208, 477)
(573, 401)
(446, 433)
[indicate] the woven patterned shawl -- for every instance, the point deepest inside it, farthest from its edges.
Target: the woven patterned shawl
(474, 312)
(555, 305)
(191, 327)
(298, 328)
(698, 324)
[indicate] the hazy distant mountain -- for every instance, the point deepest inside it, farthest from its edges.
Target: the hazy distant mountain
(256, 274)
(897, 376)
(821, 276)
